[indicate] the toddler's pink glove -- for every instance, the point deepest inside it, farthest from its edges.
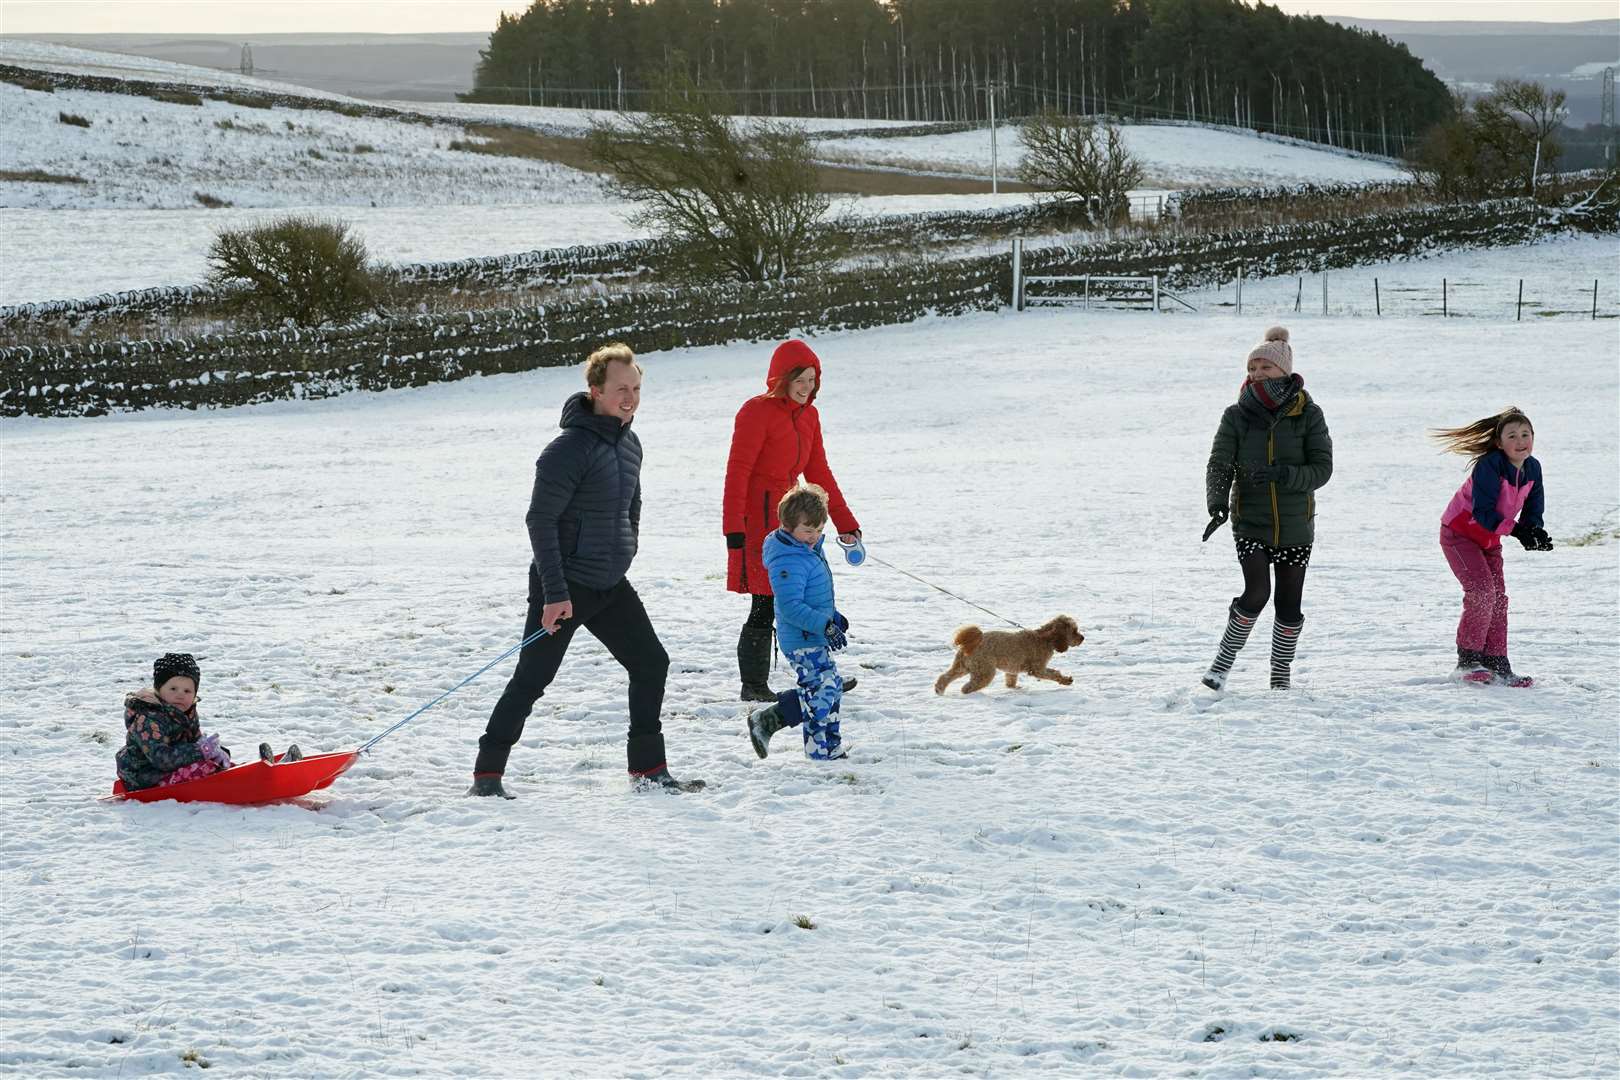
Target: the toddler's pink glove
(210, 749)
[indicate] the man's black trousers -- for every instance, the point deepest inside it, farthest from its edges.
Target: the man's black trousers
(616, 618)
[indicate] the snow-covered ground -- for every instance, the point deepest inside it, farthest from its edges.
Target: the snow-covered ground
(48, 56)
(1377, 874)
(58, 254)
(1558, 279)
(1175, 156)
(142, 153)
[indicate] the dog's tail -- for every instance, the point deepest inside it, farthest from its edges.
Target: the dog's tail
(967, 639)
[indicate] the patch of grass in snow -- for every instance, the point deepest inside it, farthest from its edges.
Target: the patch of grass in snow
(192, 1057)
(100, 738)
(247, 101)
(362, 148)
(213, 202)
(72, 118)
(37, 176)
(804, 922)
(177, 97)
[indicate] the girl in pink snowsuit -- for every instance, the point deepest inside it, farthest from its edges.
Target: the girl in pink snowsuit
(1502, 497)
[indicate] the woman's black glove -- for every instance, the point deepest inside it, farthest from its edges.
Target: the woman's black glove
(1217, 518)
(735, 540)
(1268, 474)
(1534, 538)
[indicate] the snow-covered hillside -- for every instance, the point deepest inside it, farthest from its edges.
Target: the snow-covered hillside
(138, 152)
(1175, 156)
(1377, 874)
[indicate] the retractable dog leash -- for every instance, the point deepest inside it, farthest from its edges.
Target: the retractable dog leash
(856, 554)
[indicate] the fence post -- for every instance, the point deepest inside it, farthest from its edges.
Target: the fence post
(1018, 274)
(1299, 294)
(1240, 289)
(1324, 292)
(1378, 305)
(1594, 299)
(1445, 310)
(1155, 292)
(1518, 313)
(1088, 292)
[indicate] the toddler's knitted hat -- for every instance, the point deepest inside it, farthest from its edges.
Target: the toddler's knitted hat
(1276, 349)
(171, 664)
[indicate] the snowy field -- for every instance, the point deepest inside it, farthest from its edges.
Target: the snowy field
(1377, 874)
(60, 254)
(1174, 156)
(140, 153)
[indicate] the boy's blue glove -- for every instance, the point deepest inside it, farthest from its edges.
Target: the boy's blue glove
(835, 632)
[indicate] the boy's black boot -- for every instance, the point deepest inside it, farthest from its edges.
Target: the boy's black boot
(754, 663)
(489, 784)
(762, 725)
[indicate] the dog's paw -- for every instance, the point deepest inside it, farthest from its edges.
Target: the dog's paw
(1065, 680)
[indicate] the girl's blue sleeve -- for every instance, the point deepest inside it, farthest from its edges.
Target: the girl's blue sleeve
(1536, 503)
(1487, 486)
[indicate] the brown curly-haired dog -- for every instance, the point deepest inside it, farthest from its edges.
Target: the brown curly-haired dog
(980, 655)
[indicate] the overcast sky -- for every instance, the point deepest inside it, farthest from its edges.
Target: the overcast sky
(429, 16)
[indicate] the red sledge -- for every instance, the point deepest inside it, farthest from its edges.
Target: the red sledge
(250, 785)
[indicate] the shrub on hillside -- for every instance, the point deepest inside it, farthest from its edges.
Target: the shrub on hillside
(1072, 159)
(72, 118)
(743, 202)
(302, 268)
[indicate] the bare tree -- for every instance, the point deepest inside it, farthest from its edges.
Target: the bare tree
(745, 202)
(1492, 146)
(1073, 159)
(303, 268)
(1535, 111)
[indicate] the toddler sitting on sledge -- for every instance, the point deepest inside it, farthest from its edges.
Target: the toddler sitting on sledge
(163, 742)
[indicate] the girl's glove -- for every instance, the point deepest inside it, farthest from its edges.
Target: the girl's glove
(1533, 538)
(835, 632)
(735, 540)
(1217, 518)
(211, 751)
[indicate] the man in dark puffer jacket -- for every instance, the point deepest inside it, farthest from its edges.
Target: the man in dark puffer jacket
(584, 517)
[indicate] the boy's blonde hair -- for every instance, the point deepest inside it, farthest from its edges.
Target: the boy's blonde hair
(596, 364)
(804, 505)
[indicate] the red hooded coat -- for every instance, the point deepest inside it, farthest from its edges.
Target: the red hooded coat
(774, 442)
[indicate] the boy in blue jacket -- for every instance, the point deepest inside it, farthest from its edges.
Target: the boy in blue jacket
(809, 628)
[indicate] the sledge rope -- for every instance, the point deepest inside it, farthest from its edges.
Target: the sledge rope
(365, 748)
(947, 592)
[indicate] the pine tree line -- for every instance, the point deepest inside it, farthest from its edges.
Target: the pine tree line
(941, 60)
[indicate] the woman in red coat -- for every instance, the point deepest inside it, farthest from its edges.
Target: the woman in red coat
(776, 439)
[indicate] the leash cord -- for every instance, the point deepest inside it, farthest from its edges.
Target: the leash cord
(947, 592)
(525, 643)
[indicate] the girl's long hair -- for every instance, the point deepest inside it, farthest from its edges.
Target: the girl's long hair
(779, 388)
(1479, 438)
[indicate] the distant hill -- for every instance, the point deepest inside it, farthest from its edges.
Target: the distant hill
(1471, 55)
(400, 67)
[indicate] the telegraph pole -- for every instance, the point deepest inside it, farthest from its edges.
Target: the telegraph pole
(1608, 115)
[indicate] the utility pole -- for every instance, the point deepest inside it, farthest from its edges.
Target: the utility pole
(995, 185)
(1608, 115)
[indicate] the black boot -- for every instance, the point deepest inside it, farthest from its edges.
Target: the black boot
(1284, 642)
(754, 663)
(489, 785)
(762, 725)
(1499, 666)
(648, 769)
(1471, 667)
(661, 780)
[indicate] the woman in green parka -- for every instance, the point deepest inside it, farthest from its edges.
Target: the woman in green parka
(1272, 451)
